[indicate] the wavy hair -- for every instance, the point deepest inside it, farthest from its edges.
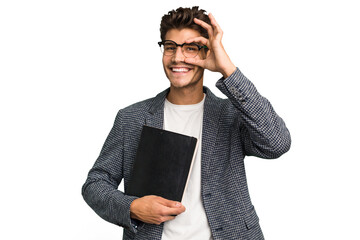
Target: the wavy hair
(184, 18)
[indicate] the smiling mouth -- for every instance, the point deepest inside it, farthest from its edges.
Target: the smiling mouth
(180, 69)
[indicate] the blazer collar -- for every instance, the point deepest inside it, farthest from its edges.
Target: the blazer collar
(156, 110)
(158, 103)
(212, 112)
(155, 115)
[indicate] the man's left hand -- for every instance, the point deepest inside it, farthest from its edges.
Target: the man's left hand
(217, 59)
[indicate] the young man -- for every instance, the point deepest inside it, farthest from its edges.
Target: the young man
(216, 204)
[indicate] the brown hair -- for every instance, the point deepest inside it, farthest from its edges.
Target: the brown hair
(184, 18)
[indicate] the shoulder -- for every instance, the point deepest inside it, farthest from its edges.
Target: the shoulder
(138, 106)
(140, 109)
(217, 103)
(134, 112)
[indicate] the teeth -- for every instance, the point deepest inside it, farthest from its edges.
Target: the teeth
(180, 69)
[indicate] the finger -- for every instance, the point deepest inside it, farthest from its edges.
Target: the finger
(171, 207)
(204, 25)
(195, 61)
(168, 211)
(215, 25)
(176, 211)
(163, 211)
(201, 40)
(167, 218)
(169, 203)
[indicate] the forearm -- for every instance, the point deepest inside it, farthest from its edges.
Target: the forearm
(108, 202)
(264, 133)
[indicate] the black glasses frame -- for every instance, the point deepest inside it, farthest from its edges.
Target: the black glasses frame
(181, 45)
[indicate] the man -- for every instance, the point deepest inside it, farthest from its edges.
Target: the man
(216, 204)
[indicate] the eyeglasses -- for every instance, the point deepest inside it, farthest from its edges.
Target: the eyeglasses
(189, 50)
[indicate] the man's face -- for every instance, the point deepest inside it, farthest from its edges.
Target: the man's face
(181, 74)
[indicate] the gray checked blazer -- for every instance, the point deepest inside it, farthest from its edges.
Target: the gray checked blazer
(243, 124)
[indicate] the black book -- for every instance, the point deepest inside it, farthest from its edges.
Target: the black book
(162, 164)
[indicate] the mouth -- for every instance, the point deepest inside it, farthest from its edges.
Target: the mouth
(180, 69)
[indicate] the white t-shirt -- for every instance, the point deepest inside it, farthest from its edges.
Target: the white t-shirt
(191, 224)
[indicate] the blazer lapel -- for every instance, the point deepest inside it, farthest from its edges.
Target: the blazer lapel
(155, 115)
(211, 117)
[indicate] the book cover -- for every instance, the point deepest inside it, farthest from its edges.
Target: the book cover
(162, 164)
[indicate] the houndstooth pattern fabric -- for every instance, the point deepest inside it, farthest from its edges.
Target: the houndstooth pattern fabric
(243, 124)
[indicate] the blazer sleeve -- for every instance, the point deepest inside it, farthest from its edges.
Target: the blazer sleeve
(262, 131)
(100, 191)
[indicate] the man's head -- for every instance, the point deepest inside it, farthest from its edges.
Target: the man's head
(183, 18)
(178, 26)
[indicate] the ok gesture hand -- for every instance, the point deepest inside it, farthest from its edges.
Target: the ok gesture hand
(217, 59)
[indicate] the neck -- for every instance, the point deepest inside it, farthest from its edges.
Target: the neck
(186, 96)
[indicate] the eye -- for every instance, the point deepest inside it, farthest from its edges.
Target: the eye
(169, 47)
(191, 48)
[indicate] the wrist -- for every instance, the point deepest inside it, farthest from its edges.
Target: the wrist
(228, 70)
(133, 209)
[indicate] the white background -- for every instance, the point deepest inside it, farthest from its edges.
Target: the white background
(67, 67)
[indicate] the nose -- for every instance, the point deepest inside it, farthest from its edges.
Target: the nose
(178, 55)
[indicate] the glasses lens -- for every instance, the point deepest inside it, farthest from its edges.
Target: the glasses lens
(168, 48)
(190, 50)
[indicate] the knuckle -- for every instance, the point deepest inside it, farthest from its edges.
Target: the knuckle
(161, 212)
(161, 219)
(157, 198)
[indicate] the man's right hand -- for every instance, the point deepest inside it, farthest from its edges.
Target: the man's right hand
(154, 209)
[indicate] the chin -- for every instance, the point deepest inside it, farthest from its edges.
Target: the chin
(181, 84)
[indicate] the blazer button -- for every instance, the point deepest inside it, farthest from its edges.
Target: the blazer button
(241, 99)
(236, 93)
